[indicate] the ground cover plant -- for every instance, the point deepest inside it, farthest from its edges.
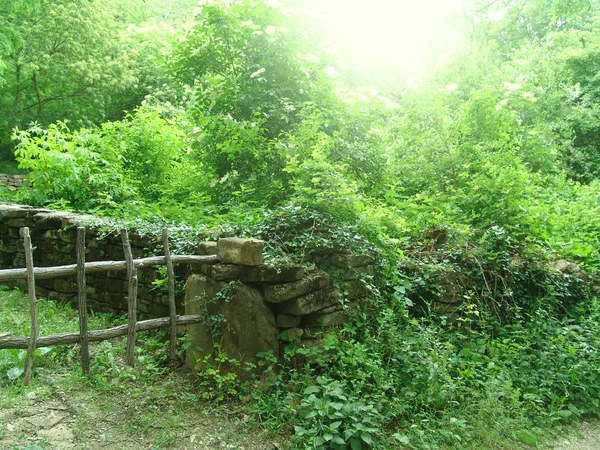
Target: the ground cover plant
(483, 174)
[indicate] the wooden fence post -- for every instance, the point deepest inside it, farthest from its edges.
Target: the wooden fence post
(131, 299)
(82, 298)
(32, 305)
(171, 281)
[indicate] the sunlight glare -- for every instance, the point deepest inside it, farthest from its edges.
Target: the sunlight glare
(394, 35)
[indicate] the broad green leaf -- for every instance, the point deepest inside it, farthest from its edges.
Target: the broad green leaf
(526, 436)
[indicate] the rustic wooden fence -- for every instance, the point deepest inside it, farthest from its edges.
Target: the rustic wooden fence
(31, 273)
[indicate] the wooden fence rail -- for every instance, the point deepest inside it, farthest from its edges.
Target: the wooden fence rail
(102, 266)
(9, 341)
(81, 268)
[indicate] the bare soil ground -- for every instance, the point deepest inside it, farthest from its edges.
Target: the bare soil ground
(56, 416)
(61, 411)
(582, 437)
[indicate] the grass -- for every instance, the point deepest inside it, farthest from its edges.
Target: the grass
(150, 405)
(10, 167)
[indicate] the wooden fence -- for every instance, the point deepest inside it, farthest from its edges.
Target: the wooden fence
(30, 273)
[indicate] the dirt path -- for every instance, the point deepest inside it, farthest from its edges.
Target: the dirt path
(81, 418)
(584, 437)
(59, 414)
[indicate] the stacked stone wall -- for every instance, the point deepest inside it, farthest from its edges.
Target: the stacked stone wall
(250, 307)
(13, 182)
(53, 235)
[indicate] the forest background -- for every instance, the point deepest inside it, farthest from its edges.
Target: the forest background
(238, 117)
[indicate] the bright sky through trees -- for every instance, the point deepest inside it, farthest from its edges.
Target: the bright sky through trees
(388, 39)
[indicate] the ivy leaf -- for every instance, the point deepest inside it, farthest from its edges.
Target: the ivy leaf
(526, 437)
(14, 373)
(355, 444)
(311, 390)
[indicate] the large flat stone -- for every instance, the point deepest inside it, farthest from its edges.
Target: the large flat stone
(356, 289)
(330, 319)
(312, 302)
(207, 248)
(247, 252)
(314, 281)
(293, 334)
(287, 320)
(245, 326)
(257, 274)
(285, 273)
(346, 261)
(226, 272)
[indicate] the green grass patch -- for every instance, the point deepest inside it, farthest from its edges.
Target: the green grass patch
(10, 167)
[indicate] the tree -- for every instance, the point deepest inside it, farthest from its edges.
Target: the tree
(62, 62)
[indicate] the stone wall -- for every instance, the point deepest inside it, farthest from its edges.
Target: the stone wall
(250, 307)
(53, 235)
(13, 182)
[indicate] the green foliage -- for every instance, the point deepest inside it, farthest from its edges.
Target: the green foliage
(245, 57)
(471, 183)
(216, 379)
(332, 420)
(67, 167)
(51, 72)
(100, 168)
(54, 317)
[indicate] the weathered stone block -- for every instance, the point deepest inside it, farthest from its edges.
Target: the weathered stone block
(69, 236)
(306, 304)
(286, 273)
(116, 275)
(356, 273)
(247, 323)
(114, 252)
(293, 334)
(330, 319)
(17, 223)
(94, 254)
(48, 258)
(314, 281)
(287, 320)
(257, 274)
(345, 261)
(356, 289)
(8, 245)
(451, 284)
(65, 286)
(227, 272)
(115, 286)
(333, 308)
(247, 252)
(66, 248)
(147, 275)
(207, 248)
(19, 260)
(90, 291)
(45, 283)
(48, 221)
(311, 343)
(445, 308)
(51, 235)
(15, 211)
